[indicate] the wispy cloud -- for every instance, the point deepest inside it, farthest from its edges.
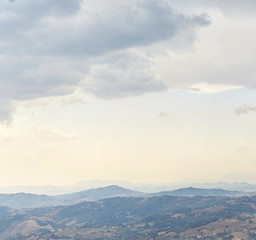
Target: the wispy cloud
(47, 133)
(244, 146)
(245, 108)
(163, 114)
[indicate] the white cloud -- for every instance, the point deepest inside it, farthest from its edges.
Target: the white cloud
(222, 56)
(211, 88)
(69, 99)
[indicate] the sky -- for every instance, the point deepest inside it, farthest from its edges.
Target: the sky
(149, 91)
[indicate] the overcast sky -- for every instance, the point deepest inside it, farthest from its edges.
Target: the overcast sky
(136, 90)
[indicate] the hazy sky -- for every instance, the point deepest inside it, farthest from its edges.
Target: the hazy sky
(135, 90)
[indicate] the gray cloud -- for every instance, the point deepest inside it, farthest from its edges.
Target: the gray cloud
(87, 33)
(6, 111)
(231, 7)
(37, 8)
(121, 75)
(23, 78)
(245, 108)
(51, 48)
(223, 56)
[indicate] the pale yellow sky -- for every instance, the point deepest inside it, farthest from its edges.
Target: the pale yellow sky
(198, 138)
(142, 91)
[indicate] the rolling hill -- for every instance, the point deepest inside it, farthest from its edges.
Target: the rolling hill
(158, 218)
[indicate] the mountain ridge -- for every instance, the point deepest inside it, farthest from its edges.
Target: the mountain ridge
(28, 200)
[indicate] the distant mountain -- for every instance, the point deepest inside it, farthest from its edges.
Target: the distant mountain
(41, 190)
(147, 188)
(191, 191)
(101, 193)
(151, 188)
(25, 200)
(86, 185)
(235, 186)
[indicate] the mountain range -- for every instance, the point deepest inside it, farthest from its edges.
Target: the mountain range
(27, 200)
(147, 188)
